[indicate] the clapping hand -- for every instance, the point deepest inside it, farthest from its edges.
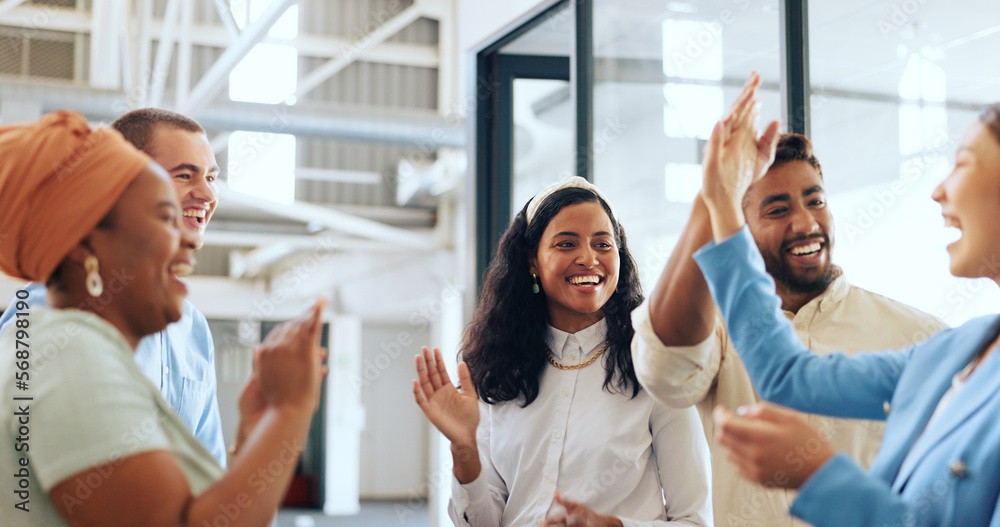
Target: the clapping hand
(575, 514)
(771, 445)
(288, 365)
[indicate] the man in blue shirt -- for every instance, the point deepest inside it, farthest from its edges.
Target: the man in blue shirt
(181, 359)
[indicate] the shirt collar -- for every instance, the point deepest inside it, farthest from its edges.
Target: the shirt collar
(830, 297)
(584, 342)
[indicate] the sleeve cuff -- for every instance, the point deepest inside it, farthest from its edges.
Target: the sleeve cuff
(814, 495)
(677, 376)
(470, 494)
(737, 243)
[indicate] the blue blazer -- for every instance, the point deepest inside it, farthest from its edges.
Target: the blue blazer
(944, 474)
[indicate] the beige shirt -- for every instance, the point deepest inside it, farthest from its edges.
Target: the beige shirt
(843, 318)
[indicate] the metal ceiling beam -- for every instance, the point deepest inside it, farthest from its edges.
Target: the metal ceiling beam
(425, 131)
(267, 254)
(218, 75)
(361, 177)
(164, 52)
(105, 52)
(226, 14)
(125, 49)
(351, 53)
(337, 221)
(305, 242)
(182, 78)
(7, 5)
(422, 130)
(216, 36)
(144, 49)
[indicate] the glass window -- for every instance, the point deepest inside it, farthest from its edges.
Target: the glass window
(263, 164)
(543, 137)
(269, 72)
(543, 112)
(894, 87)
(664, 73)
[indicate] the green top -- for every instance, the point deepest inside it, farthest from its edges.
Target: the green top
(90, 404)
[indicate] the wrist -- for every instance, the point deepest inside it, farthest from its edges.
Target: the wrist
(294, 417)
(824, 457)
(242, 432)
(463, 450)
(727, 219)
(465, 463)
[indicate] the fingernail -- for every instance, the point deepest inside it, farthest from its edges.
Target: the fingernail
(742, 410)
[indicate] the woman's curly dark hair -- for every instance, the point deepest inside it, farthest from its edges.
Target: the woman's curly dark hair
(504, 344)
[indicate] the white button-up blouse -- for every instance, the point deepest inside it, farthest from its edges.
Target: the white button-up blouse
(631, 458)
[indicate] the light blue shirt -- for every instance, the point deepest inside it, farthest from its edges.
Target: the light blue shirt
(181, 362)
(951, 474)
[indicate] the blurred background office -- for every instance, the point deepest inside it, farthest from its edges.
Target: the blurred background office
(373, 150)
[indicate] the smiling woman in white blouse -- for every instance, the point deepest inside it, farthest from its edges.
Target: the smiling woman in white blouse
(551, 426)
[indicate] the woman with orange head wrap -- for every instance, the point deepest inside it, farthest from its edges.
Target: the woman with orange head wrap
(92, 442)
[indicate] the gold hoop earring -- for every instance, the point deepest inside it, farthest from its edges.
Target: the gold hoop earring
(95, 286)
(534, 287)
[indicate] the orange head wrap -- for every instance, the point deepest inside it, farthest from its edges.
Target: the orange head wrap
(58, 179)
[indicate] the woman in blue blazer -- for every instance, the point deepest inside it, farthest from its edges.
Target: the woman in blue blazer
(939, 464)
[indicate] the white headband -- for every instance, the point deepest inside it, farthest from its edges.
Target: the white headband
(573, 182)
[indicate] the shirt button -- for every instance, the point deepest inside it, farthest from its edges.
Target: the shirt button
(552, 479)
(572, 357)
(166, 369)
(886, 407)
(558, 435)
(565, 393)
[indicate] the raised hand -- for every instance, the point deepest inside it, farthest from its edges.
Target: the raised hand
(735, 158)
(454, 412)
(578, 515)
(289, 363)
(771, 445)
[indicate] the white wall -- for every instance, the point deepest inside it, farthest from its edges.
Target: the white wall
(394, 439)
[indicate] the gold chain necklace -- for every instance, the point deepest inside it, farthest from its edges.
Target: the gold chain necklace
(582, 364)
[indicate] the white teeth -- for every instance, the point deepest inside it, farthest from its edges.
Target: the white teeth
(584, 280)
(181, 269)
(194, 213)
(948, 222)
(806, 249)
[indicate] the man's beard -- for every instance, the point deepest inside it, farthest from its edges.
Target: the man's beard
(778, 267)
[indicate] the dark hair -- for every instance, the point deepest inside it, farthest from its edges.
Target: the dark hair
(504, 344)
(795, 147)
(137, 126)
(791, 147)
(990, 117)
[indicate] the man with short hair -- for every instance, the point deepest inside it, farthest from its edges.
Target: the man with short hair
(181, 359)
(682, 352)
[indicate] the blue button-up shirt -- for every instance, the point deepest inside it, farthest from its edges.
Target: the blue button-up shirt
(181, 362)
